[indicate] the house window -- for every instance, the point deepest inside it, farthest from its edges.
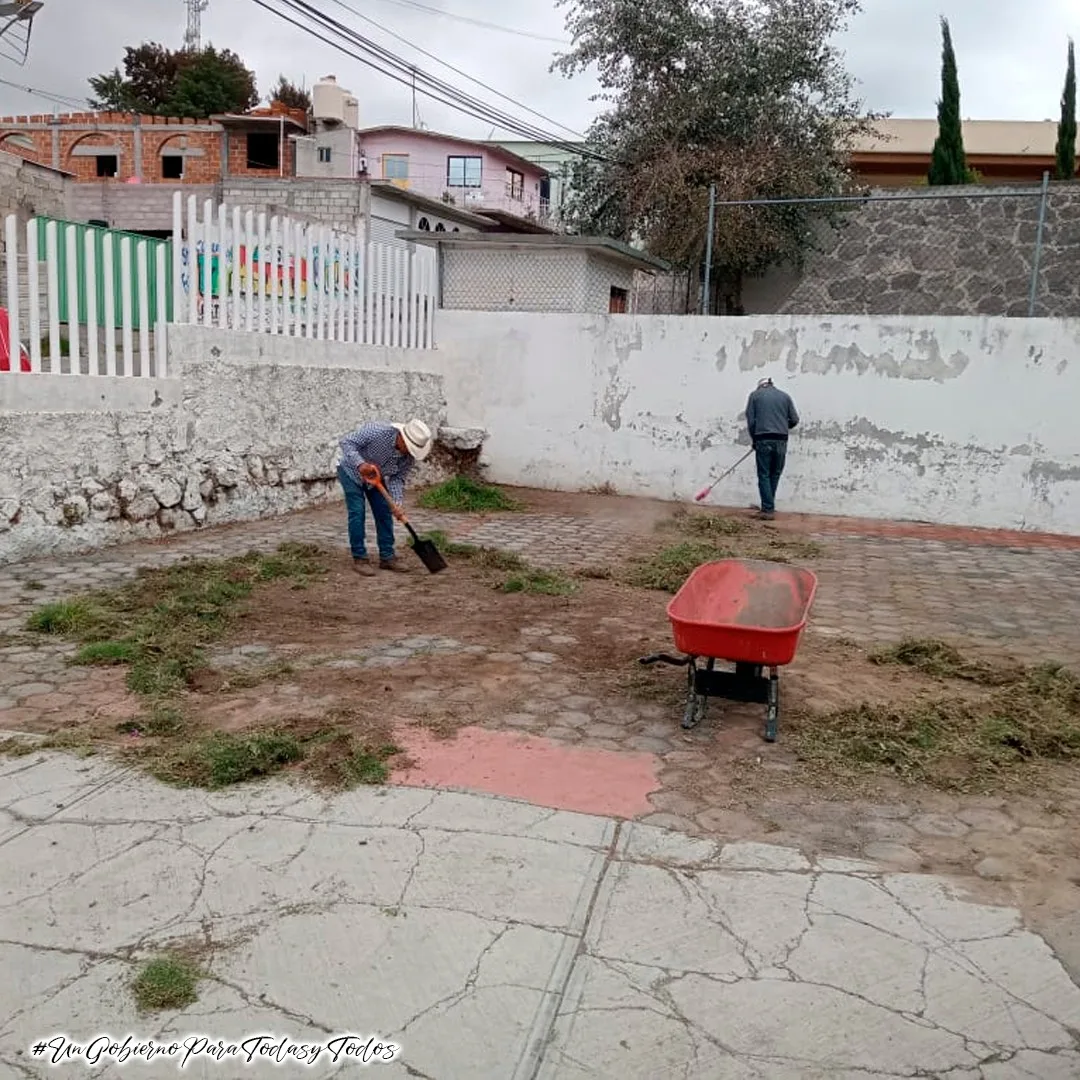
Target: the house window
(515, 184)
(107, 166)
(424, 225)
(172, 167)
(464, 172)
(263, 151)
(324, 155)
(395, 166)
(619, 301)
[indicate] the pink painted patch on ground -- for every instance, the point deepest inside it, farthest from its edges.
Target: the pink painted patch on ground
(537, 770)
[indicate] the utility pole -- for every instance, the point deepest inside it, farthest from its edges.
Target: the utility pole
(193, 34)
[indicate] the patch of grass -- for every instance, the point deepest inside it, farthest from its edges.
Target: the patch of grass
(538, 583)
(667, 569)
(105, 654)
(14, 747)
(166, 982)
(705, 537)
(449, 547)
(941, 660)
(158, 624)
(223, 759)
(957, 742)
(66, 618)
(161, 720)
(465, 495)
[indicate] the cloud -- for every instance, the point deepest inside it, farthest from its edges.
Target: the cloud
(1011, 63)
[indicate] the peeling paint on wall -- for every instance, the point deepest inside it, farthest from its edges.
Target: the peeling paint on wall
(928, 363)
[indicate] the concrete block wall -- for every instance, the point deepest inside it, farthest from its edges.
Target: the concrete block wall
(134, 207)
(30, 190)
(247, 427)
(327, 201)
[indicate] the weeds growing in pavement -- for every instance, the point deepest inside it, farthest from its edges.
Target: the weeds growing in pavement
(705, 537)
(989, 729)
(465, 495)
(166, 982)
(158, 624)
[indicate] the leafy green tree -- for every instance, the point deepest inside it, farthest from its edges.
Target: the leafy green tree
(213, 82)
(163, 82)
(948, 162)
(288, 93)
(752, 97)
(1066, 140)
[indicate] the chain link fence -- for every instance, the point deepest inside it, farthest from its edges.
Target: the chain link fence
(1005, 251)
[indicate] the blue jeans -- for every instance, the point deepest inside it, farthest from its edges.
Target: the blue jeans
(771, 455)
(356, 493)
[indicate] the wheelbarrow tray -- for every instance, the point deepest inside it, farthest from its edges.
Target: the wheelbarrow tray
(742, 610)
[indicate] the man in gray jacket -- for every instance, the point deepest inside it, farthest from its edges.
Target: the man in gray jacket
(770, 415)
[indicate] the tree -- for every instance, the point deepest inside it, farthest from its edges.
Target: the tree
(159, 81)
(948, 162)
(1066, 140)
(212, 82)
(290, 94)
(751, 97)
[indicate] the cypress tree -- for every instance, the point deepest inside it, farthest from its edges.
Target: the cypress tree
(1066, 140)
(948, 163)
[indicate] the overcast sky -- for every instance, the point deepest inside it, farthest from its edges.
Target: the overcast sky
(1011, 62)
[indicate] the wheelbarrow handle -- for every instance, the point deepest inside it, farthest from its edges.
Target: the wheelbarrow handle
(665, 658)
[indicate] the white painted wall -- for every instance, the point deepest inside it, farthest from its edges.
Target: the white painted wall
(964, 421)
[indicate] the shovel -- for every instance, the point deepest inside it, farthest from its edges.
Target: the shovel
(427, 552)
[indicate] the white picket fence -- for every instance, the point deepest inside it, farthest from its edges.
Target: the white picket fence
(84, 305)
(241, 270)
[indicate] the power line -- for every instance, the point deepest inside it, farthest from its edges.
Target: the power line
(387, 63)
(478, 22)
(457, 71)
(56, 99)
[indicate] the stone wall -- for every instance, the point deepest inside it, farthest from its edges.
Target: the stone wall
(30, 190)
(248, 428)
(967, 255)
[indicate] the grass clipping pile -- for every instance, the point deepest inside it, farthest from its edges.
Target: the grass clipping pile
(157, 627)
(986, 727)
(701, 537)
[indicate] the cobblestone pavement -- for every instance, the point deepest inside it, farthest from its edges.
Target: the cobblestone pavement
(1019, 594)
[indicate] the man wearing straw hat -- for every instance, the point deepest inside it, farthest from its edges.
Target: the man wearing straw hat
(379, 451)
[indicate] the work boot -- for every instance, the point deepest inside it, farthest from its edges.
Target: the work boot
(363, 567)
(394, 565)
(766, 515)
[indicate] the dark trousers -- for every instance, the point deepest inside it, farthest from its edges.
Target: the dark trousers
(357, 495)
(771, 455)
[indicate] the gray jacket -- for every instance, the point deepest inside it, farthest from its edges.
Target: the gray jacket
(770, 413)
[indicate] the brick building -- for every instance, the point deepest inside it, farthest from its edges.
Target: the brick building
(124, 147)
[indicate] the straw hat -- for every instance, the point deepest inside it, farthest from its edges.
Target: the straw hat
(417, 436)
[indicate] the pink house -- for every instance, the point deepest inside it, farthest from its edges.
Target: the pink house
(474, 176)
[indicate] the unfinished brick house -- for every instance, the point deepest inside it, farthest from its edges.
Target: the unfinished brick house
(124, 147)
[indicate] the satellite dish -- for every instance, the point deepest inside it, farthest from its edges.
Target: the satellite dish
(16, 22)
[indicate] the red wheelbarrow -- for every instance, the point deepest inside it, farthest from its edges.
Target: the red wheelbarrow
(743, 612)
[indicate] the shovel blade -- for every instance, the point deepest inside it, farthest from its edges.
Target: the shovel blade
(429, 555)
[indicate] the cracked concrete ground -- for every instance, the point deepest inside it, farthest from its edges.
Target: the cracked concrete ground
(493, 939)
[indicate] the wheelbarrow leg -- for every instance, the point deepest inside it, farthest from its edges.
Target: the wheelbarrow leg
(772, 717)
(691, 712)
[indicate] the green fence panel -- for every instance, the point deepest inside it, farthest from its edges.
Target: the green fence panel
(119, 283)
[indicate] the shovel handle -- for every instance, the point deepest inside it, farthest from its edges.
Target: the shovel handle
(381, 489)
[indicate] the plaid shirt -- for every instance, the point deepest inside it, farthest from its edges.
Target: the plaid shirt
(376, 444)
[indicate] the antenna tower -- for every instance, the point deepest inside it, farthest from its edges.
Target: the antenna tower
(193, 34)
